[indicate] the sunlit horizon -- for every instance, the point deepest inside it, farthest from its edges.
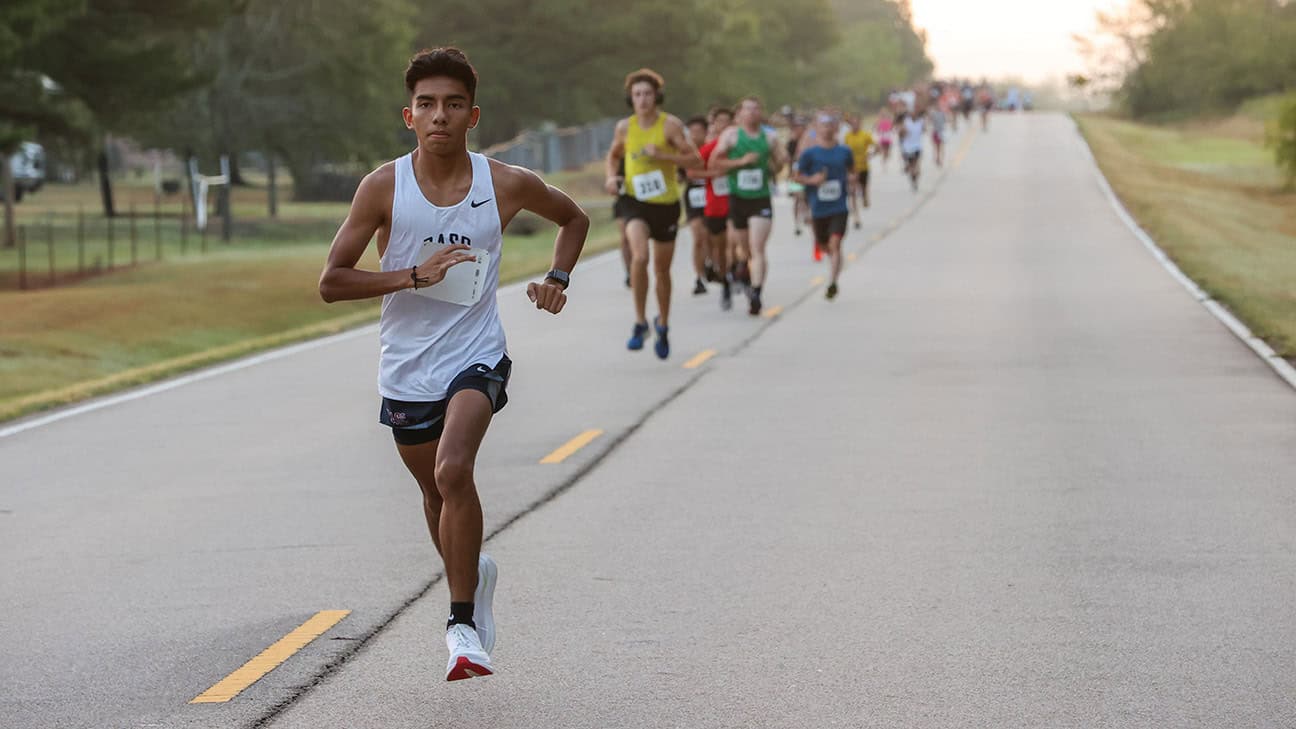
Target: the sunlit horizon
(1029, 39)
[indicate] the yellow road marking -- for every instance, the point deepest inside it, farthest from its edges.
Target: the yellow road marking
(571, 446)
(270, 658)
(964, 148)
(816, 280)
(772, 312)
(852, 256)
(699, 358)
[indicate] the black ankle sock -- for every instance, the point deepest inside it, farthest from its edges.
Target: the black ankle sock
(461, 613)
(756, 290)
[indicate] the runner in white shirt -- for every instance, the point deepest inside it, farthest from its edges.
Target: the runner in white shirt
(912, 129)
(438, 212)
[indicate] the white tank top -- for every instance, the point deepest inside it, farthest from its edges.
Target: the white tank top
(913, 141)
(425, 342)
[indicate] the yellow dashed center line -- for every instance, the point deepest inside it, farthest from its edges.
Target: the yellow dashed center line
(270, 658)
(852, 256)
(772, 312)
(572, 446)
(699, 358)
(816, 280)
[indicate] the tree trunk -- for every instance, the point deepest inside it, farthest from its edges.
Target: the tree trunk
(236, 172)
(273, 196)
(10, 235)
(105, 184)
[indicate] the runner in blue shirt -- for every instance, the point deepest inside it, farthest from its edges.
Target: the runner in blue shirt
(825, 170)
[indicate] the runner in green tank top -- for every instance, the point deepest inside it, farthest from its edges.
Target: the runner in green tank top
(751, 157)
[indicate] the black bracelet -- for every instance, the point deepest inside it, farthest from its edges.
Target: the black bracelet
(414, 276)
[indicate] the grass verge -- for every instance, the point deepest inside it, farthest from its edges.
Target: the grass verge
(1207, 191)
(65, 344)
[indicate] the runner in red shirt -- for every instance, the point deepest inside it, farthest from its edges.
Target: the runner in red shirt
(716, 213)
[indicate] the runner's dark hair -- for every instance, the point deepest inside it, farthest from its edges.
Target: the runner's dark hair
(448, 61)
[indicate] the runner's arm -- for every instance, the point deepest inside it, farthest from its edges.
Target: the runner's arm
(342, 281)
(778, 154)
(555, 205)
(688, 155)
(720, 161)
(615, 154)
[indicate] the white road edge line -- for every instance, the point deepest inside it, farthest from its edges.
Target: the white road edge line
(238, 364)
(1226, 317)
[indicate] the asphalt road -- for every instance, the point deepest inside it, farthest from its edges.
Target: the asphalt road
(1013, 476)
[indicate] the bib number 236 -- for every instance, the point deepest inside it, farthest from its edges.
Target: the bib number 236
(750, 180)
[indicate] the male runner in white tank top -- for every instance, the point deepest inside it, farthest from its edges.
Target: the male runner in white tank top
(444, 367)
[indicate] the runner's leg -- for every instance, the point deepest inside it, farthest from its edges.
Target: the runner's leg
(421, 461)
(758, 233)
(637, 232)
(662, 255)
(459, 527)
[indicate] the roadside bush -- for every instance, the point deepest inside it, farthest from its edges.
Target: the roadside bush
(1281, 137)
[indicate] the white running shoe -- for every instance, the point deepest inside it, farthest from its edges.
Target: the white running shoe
(467, 659)
(487, 576)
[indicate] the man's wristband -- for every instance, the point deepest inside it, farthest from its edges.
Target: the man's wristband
(414, 276)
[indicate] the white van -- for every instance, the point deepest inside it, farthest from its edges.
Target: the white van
(28, 167)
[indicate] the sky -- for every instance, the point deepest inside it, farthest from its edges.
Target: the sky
(1030, 39)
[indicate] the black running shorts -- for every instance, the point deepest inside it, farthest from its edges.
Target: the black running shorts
(863, 178)
(621, 208)
(716, 224)
(662, 219)
(742, 209)
(415, 423)
(826, 227)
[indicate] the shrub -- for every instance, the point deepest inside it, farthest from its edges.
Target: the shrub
(1281, 137)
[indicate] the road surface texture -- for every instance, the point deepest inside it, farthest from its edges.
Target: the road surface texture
(1013, 476)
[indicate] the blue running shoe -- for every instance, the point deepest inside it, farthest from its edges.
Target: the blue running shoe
(637, 337)
(662, 345)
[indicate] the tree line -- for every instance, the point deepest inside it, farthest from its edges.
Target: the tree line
(1190, 56)
(318, 82)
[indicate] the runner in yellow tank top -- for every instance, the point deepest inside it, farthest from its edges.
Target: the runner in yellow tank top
(860, 141)
(654, 147)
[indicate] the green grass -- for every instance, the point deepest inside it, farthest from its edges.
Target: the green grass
(182, 305)
(1208, 192)
(63, 344)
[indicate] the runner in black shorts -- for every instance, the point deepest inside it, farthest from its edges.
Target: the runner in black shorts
(653, 145)
(695, 208)
(620, 213)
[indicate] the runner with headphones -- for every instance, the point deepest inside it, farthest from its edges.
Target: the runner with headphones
(654, 146)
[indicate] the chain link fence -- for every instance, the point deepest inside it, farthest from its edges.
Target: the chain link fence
(550, 148)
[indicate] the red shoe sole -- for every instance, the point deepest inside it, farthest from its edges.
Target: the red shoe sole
(465, 668)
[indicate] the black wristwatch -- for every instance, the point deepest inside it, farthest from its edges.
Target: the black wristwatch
(561, 277)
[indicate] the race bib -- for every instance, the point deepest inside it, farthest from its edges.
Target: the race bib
(751, 180)
(830, 191)
(720, 186)
(697, 197)
(649, 185)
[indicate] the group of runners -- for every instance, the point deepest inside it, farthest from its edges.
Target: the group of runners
(721, 171)
(437, 215)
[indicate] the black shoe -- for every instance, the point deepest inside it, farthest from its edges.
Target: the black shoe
(627, 280)
(754, 307)
(726, 298)
(712, 275)
(797, 230)
(857, 225)
(831, 293)
(699, 287)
